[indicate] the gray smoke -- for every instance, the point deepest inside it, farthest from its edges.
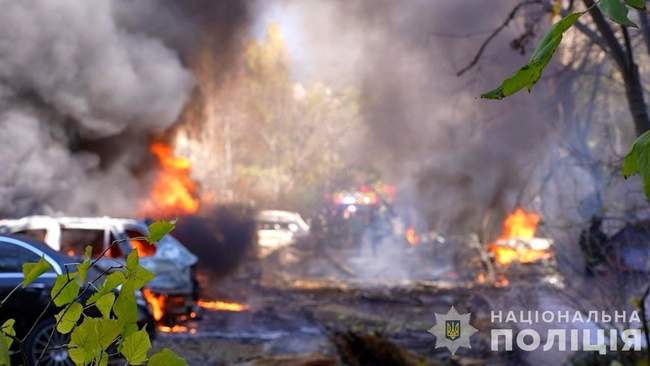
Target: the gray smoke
(83, 86)
(464, 159)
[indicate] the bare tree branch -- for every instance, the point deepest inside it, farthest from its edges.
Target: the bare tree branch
(645, 28)
(494, 33)
(593, 36)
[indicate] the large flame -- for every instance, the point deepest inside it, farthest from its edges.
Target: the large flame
(174, 193)
(519, 226)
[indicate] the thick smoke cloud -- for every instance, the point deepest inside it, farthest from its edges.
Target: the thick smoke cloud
(82, 86)
(457, 158)
(468, 159)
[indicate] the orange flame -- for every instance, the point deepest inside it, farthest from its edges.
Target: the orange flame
(217, 305)
(144, 249)
(412, 236)
(178, 328)
(519, 225)
(157, 303)
(174, 192)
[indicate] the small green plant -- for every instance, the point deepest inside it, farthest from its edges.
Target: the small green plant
(109, 331)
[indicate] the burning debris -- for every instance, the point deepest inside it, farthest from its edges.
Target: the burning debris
(218, 305)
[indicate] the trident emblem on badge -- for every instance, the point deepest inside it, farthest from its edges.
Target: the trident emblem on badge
(452, 329)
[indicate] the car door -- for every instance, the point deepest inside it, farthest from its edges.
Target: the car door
(25, 303)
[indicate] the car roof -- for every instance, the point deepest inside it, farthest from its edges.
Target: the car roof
(41, 220)
(57, 256)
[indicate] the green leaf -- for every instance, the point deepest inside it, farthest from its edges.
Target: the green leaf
(107, 331)
(105, 304)
(91, 338)
(110, 283)
(126, 308)
(639, 4)
(101, 359)
(132, 261)
(135, 347)
(616, 11)
(529, 74)
(5, 360)
(159, 229)
(64, 291)
(68, 317)
(31, 271)
(140, 277)
(137, 276)
(553, 35)
(88, 252)
(7, 331)
(128, 329)
(637, 161)
(82, 269)
(166, 357)
(84, 343)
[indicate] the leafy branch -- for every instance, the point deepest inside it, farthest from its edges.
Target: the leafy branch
(113, 324)
(529, 74)
(637, 160)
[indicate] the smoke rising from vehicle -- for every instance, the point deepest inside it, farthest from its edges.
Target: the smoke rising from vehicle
(83, 86)
(221, 236)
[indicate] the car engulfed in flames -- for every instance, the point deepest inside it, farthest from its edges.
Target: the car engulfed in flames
(175, 194)
(518, 244)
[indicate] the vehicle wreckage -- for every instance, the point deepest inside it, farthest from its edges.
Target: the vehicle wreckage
(172, 294)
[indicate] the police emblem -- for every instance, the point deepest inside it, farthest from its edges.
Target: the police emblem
(452, 330)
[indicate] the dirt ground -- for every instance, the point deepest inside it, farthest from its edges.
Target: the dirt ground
(348, 307)
(321, 322)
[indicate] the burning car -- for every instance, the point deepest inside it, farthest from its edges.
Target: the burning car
(277, 229)
(518, 243)
(174, 291)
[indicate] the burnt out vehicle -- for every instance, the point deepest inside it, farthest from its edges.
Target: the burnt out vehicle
(173, 293)
(25, 305)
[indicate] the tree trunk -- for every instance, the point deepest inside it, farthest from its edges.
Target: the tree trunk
(635, 100)
(624, 59)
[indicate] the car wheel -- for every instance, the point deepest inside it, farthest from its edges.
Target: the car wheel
(56, 353)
